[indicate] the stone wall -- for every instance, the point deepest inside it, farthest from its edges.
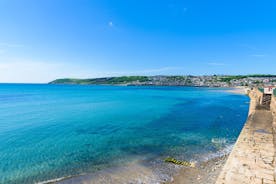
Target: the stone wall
(255, 99)
(252, 159)
(273, 105)
(273, 111)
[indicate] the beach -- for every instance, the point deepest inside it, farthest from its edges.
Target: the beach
(206, 172)
(138, 172)
(237, 90)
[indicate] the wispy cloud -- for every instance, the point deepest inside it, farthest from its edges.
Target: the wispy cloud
(25, 70)
(6, 47)
(163, 69)
(152, 71)
(216, 64)
(2, 51)
(258, 55)
(248, 46)
(10, 45)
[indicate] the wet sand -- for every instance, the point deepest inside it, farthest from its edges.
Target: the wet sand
(139, 173)
(136, 172)
(206, 172)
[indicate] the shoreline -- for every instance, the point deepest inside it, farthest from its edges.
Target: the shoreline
(237, 90)
(207, 172)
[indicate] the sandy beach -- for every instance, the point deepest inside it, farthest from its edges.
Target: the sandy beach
(237, 90)
(207, 172)
(137, 173)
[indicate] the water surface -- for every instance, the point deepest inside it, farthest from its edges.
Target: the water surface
(52, 131)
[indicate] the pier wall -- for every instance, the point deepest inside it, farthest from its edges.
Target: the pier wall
(252, 160)
(273, 111)
(255, 100)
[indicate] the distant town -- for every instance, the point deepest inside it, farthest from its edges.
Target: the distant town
(189, 80)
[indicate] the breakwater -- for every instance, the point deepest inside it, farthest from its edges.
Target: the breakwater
(252, 159)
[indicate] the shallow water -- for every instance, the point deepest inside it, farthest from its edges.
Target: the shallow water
(52, 131)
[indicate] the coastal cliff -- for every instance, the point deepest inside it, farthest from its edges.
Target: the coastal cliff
(252, 159)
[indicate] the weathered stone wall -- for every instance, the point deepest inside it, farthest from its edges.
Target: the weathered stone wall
(273, 111)
(252, 159)
(273, 108)
(255, 99)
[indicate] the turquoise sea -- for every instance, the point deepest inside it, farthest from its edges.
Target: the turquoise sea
(53, 131)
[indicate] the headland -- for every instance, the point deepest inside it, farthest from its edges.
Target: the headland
(224, 81)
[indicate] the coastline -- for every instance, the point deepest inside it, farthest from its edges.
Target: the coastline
(156, 171)
(207, 172)
(143, 169)
(237, 90)
(138, 171)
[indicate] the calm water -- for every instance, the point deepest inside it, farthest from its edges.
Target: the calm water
(50, 131)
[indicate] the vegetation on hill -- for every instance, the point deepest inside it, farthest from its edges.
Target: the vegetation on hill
(210, 81)
(105, 80)
(230, 78)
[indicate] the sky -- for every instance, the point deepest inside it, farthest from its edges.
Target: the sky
(41, 40)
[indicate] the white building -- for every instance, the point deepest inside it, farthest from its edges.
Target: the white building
(269, 90)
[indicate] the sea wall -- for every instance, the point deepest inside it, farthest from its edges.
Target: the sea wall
(273, 111)
(252, 159)
(255, 99)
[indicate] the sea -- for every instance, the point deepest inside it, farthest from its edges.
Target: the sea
(53, 132)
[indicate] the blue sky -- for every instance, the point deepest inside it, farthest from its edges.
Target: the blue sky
(41, 40)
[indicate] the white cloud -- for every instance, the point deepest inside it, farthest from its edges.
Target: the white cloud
(216, 64)
(6, 47)
(258, 55)
(2, 44)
